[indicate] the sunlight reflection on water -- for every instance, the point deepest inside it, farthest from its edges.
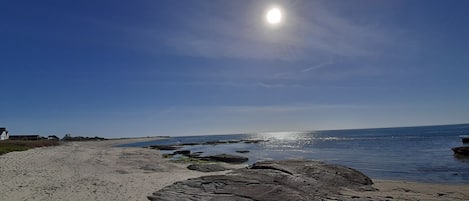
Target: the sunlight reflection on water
(416, 154)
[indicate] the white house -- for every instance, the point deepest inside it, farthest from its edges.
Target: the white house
(3, 134)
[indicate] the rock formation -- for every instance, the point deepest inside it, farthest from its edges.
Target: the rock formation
(270, 180)
(206, 167)
(463, 151)
(228, 158)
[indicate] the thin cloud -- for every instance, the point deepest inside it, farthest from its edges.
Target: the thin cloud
(321, 65)
(319, 35)
(263, 108)
(284, 108)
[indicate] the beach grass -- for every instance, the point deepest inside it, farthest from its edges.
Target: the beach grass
(22, 145)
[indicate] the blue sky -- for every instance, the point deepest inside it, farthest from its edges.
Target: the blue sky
(144, 68)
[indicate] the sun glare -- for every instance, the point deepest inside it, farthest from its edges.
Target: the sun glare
(274, 16)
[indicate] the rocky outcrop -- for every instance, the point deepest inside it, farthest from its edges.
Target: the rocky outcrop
(462, 151)
(165, 147)
(206, 167)
(253, 141)
(195, 154)
(228, 158)
(183, 152)
(217, 142)
(271, 180)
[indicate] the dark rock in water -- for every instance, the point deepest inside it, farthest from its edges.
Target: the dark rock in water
(183, 152)
(243, 151)
(165, 147)
(191, 144)
(465, 139)
(253, 141)
(461, 150)
(206, 167)
(215, 142)
(195, 154)
(228, 158)
(289, 180)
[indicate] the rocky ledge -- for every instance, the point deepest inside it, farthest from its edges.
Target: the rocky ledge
(271, 180)
(218, 142)
(206, 167)
(462, 151)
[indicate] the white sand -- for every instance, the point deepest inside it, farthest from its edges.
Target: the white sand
(97, 171)
(87, 171)
(400, 190)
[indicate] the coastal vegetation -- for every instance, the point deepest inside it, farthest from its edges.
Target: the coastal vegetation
(69, 137)
(22, 145)
(185, 159)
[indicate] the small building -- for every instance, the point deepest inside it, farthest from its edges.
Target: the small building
(53, 137)
(24, 137)
(3, 134)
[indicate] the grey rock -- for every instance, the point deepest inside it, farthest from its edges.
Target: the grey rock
(228, 158)
(464, 151)
(243, 151)
(153, 168)
(270, 180)
(191, 144)
(215, 142)
(195, 154)
(165, 147)
(183, 152)
(253, 141)
(206, 167)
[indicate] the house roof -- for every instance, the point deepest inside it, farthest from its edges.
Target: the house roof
(24, 135)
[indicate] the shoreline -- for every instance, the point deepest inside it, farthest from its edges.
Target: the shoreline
(406, 190)
(98, 170)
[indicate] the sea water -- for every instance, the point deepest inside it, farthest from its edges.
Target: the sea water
(420, 154)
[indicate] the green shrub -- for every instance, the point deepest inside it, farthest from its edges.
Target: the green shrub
(22, 145)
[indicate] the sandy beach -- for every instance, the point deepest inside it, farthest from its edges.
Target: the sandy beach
(402, 190)
(87, 171)
(96, 170)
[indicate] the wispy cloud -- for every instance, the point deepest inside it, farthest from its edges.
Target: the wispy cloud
(246, 110)
(321, 65)
(315, 42)
(286, 108)
(317, 34)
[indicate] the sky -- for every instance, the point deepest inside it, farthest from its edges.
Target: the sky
(144, 68)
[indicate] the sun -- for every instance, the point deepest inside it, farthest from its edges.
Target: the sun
(274, 16)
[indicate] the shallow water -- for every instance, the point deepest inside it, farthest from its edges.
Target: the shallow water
(412, 153)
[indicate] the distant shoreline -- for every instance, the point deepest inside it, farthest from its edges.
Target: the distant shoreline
(312, 130)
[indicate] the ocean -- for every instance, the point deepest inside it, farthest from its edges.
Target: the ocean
(421, 154)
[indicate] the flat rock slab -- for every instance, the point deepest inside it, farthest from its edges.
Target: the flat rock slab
(206, 167)
(165, 147)
(270, 180)
(228, 158)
